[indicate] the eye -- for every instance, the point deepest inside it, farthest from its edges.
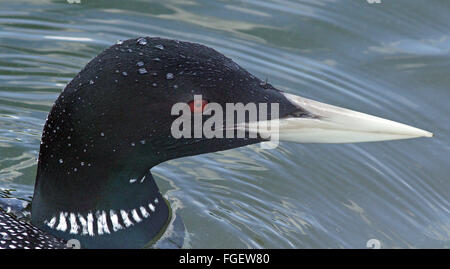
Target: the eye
(197, 105)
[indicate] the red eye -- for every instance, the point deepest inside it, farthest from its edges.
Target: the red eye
(197, 105)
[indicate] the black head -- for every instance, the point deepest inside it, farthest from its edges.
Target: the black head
(113, 122)
(125, 96)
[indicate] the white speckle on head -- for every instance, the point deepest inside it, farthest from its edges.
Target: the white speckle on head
(142, 179)
(125, 218)
(115, 221)
(132, 180)
(161, 47)
(102, 134)
(156, 200)
(62, 225)
(73, 224)
(152, 208)
(169, 76)
(136, 216)
(61, 161)
(102, 224)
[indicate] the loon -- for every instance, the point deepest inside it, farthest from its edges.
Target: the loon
(112, 123)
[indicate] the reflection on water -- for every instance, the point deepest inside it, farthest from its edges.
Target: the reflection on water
(389, 59)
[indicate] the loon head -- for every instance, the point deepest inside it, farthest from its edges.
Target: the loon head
(117, 119)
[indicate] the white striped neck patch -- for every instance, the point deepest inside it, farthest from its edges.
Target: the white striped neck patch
(101, 222)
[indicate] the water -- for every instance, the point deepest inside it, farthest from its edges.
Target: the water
(390, 59)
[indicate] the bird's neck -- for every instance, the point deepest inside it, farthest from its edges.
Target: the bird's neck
(104, 205)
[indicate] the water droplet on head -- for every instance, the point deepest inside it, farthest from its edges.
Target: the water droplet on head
(142, 41)
(124, 73)
(61, 161)
(161, 47)
(102, 134)
(91, 82)
(156, 59)
(142, 71)
(169, 76)
(119, 42)
(140, 64)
